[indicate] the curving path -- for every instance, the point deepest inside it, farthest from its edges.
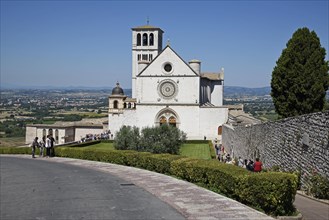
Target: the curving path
(39, 189)
(311, 209)
(65, 188)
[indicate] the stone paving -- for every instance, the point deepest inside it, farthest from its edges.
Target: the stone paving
(192, 201)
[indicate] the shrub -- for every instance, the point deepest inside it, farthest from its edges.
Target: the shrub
(272, 192)
(319, 187)
(127, 138)
(212, 150)
(16, 150)
(161, 139)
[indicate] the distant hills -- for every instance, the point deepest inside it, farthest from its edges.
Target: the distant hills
(230, 91)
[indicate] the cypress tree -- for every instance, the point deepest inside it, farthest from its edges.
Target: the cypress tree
(300, 78)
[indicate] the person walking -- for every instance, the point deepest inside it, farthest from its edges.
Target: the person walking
(52, 146)
(47, 145)
(216, 148)
(258, 165)
(42, 145)
(33, 145)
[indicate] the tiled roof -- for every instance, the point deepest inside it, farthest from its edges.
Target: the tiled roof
(212, 76)
(146, 27)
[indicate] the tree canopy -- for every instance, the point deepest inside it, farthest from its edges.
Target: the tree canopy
(300, 78)
(159, 139)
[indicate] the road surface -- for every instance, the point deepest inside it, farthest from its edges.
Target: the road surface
(39, 189)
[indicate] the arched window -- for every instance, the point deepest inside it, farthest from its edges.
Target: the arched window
(56, 135)
(139, 39)
(115, 104)
(151, 39)
(129, 105)
(172, 121)
(50, 131)
(220, 130)
(124, 105)
(145, 39)
(163, 120)
(44, 133)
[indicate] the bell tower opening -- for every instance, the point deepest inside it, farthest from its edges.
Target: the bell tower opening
(146, 45)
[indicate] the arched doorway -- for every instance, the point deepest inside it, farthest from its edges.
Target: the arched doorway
(220, 130)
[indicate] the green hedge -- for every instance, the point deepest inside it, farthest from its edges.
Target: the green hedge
(271, 192)
(212, 150)
(196, 141)
(82, 144)
(16, 150)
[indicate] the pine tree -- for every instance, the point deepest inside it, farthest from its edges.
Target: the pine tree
(300, 78)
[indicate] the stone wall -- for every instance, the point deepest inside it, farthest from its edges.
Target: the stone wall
(293, 143)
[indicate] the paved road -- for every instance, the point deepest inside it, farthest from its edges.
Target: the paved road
(39, 189)
(191, 201)
(310, 209)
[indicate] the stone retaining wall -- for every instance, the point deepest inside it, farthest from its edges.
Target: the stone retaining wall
(294, 143)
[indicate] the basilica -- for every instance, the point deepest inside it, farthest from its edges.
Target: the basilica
(168, 90)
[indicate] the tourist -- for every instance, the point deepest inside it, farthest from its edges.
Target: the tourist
(227, 158)
(42, 145)
(48, 145)
(216, 149)
(245, 163)
(250, 165)
(33, 145)
(219, 156)
(258, 165)
(52, 146)
(240, 162)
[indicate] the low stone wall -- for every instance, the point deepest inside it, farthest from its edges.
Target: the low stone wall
(294, 143)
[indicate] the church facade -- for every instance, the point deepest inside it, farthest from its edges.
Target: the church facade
(166, 89)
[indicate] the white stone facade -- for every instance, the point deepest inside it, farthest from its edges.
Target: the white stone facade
(63, 132)
(165, 89)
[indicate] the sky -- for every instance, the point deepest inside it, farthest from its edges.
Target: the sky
(88, 43)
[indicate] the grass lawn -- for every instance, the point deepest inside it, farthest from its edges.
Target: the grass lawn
(12, 141)
(101, 146)
(200, 151)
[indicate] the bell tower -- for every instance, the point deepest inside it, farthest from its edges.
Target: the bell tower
(146, 45)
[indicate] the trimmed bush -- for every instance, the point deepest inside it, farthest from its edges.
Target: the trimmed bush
(16, 150)
(197, 141)
(272, 192)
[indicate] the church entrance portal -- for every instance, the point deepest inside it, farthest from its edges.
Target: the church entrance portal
(167, 116)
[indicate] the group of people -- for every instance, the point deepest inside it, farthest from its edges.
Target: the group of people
(47, 143)
(225, 157)
(250, 164)
(94, 137)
